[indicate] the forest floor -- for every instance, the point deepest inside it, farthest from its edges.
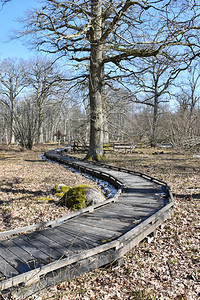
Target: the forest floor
(167, 268)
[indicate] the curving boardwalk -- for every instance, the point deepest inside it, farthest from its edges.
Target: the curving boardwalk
(87, 239)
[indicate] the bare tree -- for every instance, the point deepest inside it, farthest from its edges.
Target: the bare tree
(45, 82)
(4, 121)
(26, 120)
(12, 82)
(187, 117)
(189, 95)
(152, 80)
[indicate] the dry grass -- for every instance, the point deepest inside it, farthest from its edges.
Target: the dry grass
(168, 268)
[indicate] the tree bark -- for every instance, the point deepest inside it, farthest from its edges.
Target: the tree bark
(12, 136)
(40, 123)
(95, 151)
(155, 119)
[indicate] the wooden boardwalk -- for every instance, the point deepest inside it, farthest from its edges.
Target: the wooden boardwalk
(86, 239)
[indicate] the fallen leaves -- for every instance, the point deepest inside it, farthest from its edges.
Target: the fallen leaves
(26, 183)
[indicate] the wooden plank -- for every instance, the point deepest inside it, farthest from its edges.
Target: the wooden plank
(14, 260)
(111, 223)
(36, 253)
(55, 236)
(52, 253)
(139, 207)
(126, 204)
(127, 210)
(86, 232)
(72, 244)
(29, 260)
(75, 239)
(140, 201)
(49, 242)
(104, 224)
(131, 199)
(99, 216)
(64, 245)
(100, 232)
(117, 215)
(80, 236)
(139, 204)
(8, 244)
(131, 211)
(6, 269)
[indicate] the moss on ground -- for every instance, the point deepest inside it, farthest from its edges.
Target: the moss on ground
(75, 198)
(61, 188)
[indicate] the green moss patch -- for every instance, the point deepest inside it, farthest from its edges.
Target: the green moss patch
(61, 188)
(75, 198)
(59, 195)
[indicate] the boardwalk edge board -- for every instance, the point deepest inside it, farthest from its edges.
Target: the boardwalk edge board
(30, 282)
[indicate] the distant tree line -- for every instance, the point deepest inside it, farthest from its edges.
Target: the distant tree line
(38, 104)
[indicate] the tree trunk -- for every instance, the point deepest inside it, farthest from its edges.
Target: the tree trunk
(106, 138)
(155, 119)
(12, 136)
(40, 122)
(95, 151)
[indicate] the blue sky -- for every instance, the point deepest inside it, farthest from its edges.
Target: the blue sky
(8, 15)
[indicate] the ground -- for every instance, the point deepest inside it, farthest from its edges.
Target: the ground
(27, 182)
(167, 268)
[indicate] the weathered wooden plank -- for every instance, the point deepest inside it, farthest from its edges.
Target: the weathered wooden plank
(52, 253)
(117, 215)
(14, 260)
(136, 200)
(80, 236)
(138, 208)
(85, 232)
(75, 240)
(131, 211)
(6, 269)
(99, 217)
(72, 244)
(127, 205)
(35, 274)
(104, 224)
(49, 242)
(146, 206)
(23, 255)
(93, 230)
(55, 237)
(36, 253)
(127, 211)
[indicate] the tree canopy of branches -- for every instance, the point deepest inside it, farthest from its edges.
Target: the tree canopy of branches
(101, 37)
